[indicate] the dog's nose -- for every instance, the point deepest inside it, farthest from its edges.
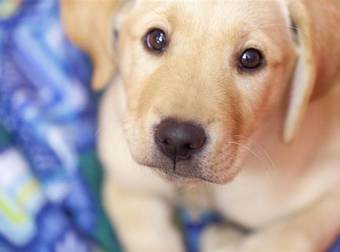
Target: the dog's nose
(179, 140)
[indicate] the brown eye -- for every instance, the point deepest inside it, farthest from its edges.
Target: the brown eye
(251, 59)
(155, 40)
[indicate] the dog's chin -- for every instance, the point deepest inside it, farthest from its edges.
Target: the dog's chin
(183, 179)
(178, 177)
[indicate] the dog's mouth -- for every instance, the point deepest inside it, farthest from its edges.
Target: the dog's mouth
(192, 171)
(175, 173)
(177, 177)
(173, 169)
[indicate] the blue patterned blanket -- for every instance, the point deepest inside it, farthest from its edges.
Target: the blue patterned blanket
(50, 176)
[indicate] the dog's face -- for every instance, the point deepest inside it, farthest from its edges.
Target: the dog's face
(199, 78)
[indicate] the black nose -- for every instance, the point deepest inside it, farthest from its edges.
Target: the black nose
(179, 140)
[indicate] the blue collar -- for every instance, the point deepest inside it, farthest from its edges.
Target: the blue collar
(193, 228)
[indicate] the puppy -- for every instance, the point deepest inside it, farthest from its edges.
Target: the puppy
(235, 100)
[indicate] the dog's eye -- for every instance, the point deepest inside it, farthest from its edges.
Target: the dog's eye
(155, 40)
(251, 59)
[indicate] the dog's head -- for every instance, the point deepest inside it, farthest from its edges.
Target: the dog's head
(200, 77)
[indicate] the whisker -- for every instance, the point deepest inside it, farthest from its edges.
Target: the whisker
(264, 158)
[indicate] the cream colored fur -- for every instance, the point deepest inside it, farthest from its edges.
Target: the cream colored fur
(288, 194)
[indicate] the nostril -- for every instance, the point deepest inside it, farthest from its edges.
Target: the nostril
(165, 141)
(200, 141)
(180, 140)
(189, 146)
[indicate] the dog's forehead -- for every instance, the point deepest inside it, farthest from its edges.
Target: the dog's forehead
(217, 13)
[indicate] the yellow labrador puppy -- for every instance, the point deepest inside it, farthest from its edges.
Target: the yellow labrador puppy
(237, 101)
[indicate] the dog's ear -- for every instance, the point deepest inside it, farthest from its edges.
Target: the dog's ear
(88, 24)
(314, 24)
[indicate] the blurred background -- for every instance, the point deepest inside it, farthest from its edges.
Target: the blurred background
(50, 177)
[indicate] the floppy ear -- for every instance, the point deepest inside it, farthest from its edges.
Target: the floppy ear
(317, 67)
(88, 23)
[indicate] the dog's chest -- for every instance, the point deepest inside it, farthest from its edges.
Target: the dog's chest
(255, 199)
